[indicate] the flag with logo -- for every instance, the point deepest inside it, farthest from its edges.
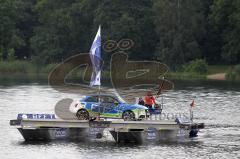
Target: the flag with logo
(95, 55)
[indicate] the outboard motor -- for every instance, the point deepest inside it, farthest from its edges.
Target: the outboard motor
(193, 133)
(181, 121)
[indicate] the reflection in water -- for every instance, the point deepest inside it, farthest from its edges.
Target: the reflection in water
(215, 106)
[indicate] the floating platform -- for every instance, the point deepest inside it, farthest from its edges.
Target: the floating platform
(121, 131)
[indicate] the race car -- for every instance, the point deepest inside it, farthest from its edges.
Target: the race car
(106, 106)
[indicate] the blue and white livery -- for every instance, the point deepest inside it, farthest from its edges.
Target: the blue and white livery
(108, 106)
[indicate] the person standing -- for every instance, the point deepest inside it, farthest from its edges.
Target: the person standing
(149, 100)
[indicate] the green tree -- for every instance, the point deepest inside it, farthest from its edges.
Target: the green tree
(10, 38)
(64, 30)
(196, 66)
(224, 18)
(172, 31)
(67, 27)
(27, 22)
(231, 49)
(212, 40)
(180, 26)
(128, 20)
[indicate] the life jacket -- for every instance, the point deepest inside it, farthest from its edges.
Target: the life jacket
(149, 100)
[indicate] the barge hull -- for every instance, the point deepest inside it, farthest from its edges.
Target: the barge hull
(121, 131)
(46, 134)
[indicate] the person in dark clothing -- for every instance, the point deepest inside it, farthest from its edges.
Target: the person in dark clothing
(140, 101)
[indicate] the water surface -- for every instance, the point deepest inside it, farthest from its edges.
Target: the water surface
(217, 105)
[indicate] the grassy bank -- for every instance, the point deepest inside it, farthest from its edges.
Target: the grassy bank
(24, 67)
(184, 75)
(26, 70)
(214, 69)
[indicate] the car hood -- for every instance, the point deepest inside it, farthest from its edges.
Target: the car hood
(132, 106)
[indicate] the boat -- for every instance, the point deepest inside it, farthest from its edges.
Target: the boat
(47, 127)
(148, 129)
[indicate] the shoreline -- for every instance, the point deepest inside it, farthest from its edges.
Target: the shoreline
(31, 72)
(33, 77)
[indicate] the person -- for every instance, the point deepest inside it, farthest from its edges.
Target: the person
(140, 101)
(149, 100)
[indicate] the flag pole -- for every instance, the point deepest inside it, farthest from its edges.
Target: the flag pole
(191, 110)
(95, 56)
(98, 116)
(191, 114)
(160, 92)
(99, 86)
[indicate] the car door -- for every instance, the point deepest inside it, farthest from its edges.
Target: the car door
(99, 104)
(93, 104)
(110, 107)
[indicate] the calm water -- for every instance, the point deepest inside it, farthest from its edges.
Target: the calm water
(217, 105)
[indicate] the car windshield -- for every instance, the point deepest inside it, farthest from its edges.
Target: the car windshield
(120, 99)
(108, 100)
(92, 99)
(104, 99)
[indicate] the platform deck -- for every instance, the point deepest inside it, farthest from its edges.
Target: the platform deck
(115, 124)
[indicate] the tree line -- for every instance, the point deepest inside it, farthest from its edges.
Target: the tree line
(171, 31)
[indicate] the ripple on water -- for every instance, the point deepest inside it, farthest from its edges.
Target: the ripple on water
(217, 108)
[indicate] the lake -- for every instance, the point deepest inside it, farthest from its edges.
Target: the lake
(217, 104)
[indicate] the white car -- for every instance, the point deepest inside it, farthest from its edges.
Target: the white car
(110, 106)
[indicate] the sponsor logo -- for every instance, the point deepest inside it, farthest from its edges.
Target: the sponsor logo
(60, 132)
(151, 134)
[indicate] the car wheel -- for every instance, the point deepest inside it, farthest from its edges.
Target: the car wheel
(82, 114)
(128, 115)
